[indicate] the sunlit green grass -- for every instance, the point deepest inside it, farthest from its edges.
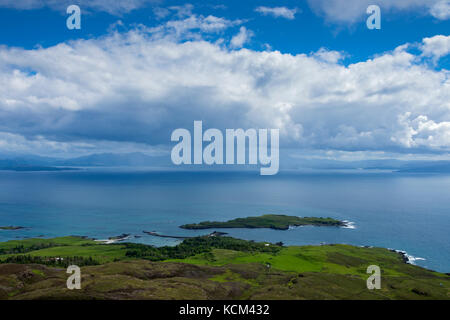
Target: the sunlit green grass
(70, 240)
(101, 253)
(67, 247)
(336, 259)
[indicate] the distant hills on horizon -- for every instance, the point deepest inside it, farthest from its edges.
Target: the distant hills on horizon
(137, 159)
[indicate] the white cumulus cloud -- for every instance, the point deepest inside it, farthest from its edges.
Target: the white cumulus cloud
(277, 12)
(441, 10)
(436, 47)
(241, 38)
(351, 11)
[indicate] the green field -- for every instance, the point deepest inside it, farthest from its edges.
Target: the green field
(210, 268)
(62, 247)
(335, 259)
(61, 241)
(272, 221)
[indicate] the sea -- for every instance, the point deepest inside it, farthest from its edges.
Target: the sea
(401, 211)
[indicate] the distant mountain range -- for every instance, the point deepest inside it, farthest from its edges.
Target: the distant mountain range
(381, 164)
(36, 163)
(136, 159)
(440, 167)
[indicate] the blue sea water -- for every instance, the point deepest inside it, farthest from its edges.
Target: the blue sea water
(400, 211)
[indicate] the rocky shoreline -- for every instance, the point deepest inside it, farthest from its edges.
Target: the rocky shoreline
(406, 257)
(155, 234)
(110, 240)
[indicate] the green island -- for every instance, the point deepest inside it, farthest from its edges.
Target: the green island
(11, 228)
(272, 221)
(35, 168)
(209, 267)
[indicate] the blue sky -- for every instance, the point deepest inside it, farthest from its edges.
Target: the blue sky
(308, 31)
(139, 68)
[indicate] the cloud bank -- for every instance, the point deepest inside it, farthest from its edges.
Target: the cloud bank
(129, 91)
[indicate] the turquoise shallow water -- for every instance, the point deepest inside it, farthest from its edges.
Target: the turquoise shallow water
(407, 212)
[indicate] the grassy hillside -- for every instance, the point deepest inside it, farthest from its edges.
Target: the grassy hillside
(212, 268)
(273, 221)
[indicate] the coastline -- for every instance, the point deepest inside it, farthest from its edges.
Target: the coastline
(156, 234)
(346, 224)
(211, 264)
(405, 256)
